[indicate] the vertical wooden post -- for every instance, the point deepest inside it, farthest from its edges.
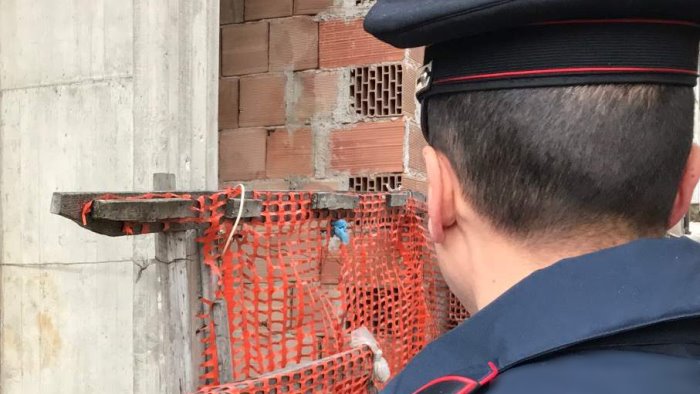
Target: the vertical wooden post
(178, 262)
(223, 341)
(219, 314)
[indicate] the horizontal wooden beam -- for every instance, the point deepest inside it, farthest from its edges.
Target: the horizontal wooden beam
(400, 199)
(114, 214)
(334, 201)
(251, 208)
(147, 210)
(394, 200)
(144, 216)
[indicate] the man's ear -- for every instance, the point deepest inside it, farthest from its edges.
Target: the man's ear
(441, 188)
(689, 181)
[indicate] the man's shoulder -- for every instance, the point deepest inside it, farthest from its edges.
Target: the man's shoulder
(602, 372)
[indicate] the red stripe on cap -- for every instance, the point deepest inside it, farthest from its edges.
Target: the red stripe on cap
(570, 70)
(613, 21)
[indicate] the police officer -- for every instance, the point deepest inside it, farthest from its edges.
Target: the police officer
(560, 151)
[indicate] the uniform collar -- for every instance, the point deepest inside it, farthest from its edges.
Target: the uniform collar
(576, 300)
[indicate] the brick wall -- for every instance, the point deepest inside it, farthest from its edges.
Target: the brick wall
(308, 100)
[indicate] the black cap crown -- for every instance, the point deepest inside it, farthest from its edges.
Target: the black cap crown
(501, 44)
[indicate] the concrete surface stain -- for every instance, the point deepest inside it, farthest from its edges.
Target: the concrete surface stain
(50, 340)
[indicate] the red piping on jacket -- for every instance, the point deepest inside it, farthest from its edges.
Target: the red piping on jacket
(469, 384)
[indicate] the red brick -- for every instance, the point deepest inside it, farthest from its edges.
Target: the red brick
(230, 11)
(377, 90)
(293, 44)
(316, 95)
(311, 7)
(244, 49)
(408, 97)
(417, 55)
(346, 43)
(242, 154)
(289, 153)
(262, 100)
(368, 148)
(228, 103)
(259, 184)
(260, 9)
(320, 185)
(416, 143)
(415, 184)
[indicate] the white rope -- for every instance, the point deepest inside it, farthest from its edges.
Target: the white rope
(238, 219)
(362, 337)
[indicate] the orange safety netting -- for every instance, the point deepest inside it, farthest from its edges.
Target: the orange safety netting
(293, 294)
(293, 299)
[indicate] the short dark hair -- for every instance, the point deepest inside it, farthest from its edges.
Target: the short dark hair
(543, 160)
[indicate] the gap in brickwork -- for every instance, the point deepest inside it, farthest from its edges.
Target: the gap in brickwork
(364, 2)
(379, 183)
(377, 90)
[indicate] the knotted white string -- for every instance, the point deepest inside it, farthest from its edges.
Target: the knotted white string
(362, 337)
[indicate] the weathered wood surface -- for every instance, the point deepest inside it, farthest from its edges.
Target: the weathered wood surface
(223, 341)
(179, 268)
(145, 216)
(147, 210)
(251, 208)
(334, 201)
(107, 216)
(394, 200)
(182, 286)
(400, 199)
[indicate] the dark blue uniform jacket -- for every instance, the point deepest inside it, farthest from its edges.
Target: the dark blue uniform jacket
(622, 320)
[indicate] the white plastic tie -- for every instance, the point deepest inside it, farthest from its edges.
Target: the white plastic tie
(362, 337)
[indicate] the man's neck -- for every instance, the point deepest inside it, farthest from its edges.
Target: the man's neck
(496, 263)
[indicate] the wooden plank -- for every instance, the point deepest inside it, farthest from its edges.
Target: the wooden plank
(181, 286)
(394, 200)
(251, 208)
(181, 368)
(334, 201)
(147, 210)
(146, 216)
(400, 199)
(70, 205)
(107, 217)
(418, 196)
(223, 341)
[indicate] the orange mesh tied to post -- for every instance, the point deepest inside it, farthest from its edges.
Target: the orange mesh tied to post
(293, 299)
(293, 295)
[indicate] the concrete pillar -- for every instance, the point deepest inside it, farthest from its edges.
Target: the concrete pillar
(94, 95)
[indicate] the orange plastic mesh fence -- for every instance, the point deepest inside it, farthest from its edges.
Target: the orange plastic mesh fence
(345, 372)
(293, 293)
(457, 313)
(293, 298)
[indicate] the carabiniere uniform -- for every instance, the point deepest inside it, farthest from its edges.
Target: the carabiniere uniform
(633, 309)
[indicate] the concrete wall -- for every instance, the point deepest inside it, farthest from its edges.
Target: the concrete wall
(94, 95)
